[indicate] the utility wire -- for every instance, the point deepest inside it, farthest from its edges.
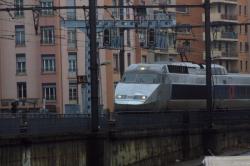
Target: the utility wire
(101, 7)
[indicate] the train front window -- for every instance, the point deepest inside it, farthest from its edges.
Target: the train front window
(129, 78)
(141, 78)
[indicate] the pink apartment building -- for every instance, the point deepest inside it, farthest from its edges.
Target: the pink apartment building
(30, 61)
(42, 66)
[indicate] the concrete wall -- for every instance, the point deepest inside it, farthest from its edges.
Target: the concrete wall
(154, 151)
(56, 154)
(138, 148)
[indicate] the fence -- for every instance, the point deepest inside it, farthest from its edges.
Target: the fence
(44, 124)
(37, 124)
(181, 119)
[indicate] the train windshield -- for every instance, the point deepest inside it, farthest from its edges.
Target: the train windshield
(141, 78)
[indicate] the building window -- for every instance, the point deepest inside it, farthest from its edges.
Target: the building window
(115, 11)
(20, 35)
(220, 62)
(115, 62)
(142, 37)
(239, 9)
(48, 63)
(246, 29)
(128, 38)
(21, 90)
(245, 10)
(219, 46)
(246, 66)
(246, 47)
(49, 91)
(72, 92)
(19, 12)
(72, 38)
(129, 59)
(241, 66)
(46, 3)
(127, 13)
(182, 10)
(157, 58)
(240, 46)
(72, 62)
(185, 29)
(144, 59)
(71, 13)
(47, 35)
(20, 64)
(219, 8)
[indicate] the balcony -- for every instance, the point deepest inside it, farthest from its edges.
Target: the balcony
(164, 2)
(226, 36)
(222, 55)
(223, 36)
(169, 50)
(233, 2)
(231, 17)
(219, 17)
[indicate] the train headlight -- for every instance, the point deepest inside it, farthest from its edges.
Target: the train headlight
(121, 96)
(140, 97)
(142, 68)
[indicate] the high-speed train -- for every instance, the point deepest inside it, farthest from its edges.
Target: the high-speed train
(180, 86)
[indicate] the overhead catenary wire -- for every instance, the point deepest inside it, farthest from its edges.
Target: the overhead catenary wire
(131, 6)
(99, 7)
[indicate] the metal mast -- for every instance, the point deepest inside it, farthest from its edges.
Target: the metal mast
(208, 56)
(93, 66)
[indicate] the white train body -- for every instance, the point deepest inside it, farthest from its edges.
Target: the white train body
(180, 86)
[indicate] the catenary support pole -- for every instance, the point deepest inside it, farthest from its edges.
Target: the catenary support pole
(122, 51)
(93, 66)
(207, 133)
(208, 56)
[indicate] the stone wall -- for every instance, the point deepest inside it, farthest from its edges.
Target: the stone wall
(133, 149)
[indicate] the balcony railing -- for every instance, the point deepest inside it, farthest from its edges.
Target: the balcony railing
(229, 54)
(229, 17)
(223, 1)
(232, 0)
(230, 35)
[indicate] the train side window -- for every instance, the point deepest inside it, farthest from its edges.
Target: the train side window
(220, 92)
(129, 77)
(237, 92)
(248, 92)
(177, 69)
(240, 92)
(245, 92)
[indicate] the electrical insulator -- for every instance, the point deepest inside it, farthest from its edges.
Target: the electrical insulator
(151, 37)
(106, 37)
